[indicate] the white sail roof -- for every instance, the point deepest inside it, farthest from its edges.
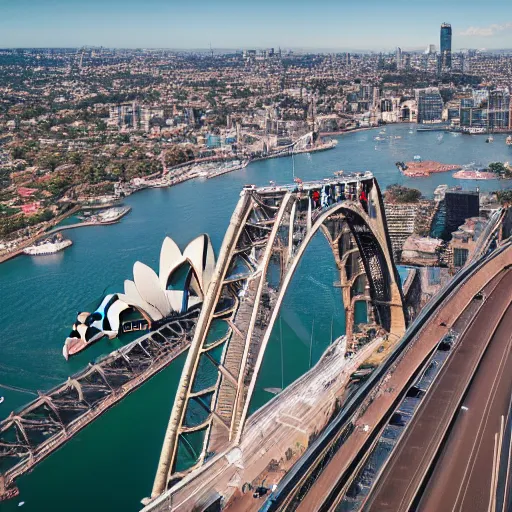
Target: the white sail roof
(132, 297)
(148, 286)
(170, 258)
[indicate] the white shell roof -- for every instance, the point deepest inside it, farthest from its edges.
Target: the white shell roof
(148, 286)
(170, 258)
(131, 296)
(200, 254)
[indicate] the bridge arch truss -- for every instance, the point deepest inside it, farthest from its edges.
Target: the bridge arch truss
(272, 227)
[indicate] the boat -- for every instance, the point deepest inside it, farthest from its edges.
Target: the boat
(489, 139)
(48, 246)
(508, 140)
(273, 391)
(411, 131)
(474, 130)
(383, 131)
(1, 399)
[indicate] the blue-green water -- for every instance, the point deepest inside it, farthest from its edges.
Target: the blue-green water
(111, 464)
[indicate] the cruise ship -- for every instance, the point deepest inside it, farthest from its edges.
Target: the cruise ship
(47, 246)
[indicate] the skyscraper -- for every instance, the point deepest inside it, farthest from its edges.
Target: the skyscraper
(446, 46)
(460, 205)
(398, 58)
(430, 105)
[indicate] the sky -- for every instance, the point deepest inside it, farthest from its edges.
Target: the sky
(237, 24)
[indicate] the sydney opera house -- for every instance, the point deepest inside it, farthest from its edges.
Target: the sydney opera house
(180, 285)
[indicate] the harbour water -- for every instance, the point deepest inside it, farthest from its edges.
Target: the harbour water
(111, 464)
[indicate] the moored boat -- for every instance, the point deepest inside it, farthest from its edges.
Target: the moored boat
(48, 246)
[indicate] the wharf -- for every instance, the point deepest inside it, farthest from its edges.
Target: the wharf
(30, 241)
(29, 435)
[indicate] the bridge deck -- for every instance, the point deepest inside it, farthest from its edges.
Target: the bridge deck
(29, 435)
(407, 467)
(385, 394)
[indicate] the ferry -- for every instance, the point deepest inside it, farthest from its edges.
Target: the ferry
(47, 246)
(508, 140)
(474, 130)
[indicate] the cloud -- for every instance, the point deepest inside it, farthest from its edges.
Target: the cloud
(489, 31)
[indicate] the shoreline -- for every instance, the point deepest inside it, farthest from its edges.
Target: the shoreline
(57, 229)
(181, 179)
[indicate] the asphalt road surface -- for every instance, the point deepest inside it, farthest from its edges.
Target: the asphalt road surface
(409, 464)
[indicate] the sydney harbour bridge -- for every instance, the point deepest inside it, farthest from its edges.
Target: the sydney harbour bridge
(272, 227)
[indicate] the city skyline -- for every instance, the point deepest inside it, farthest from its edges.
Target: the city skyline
(229, 25)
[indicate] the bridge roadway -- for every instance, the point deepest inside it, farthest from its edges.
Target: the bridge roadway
(29, 435)
(380, 400)
(489, 337)
(466, 474)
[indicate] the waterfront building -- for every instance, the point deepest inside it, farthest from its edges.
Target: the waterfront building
(446, 46)
(499, 109)
(429, 104)
(460, 205)
(181, 284)
(486, 109)
(406, 219)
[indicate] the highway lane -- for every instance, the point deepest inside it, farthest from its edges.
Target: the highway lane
(415, 354)
(465, 474)
(400, 479)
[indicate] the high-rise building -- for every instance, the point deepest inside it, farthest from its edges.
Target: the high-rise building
(446, 46)
(499, 109)
(430, 105)
(486, 109)
(398, 58)
(460, 205)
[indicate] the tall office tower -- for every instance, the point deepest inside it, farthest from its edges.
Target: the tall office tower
(398, 58)
(499, 109)
(446, 46)
(460, 205)
(430, 105)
